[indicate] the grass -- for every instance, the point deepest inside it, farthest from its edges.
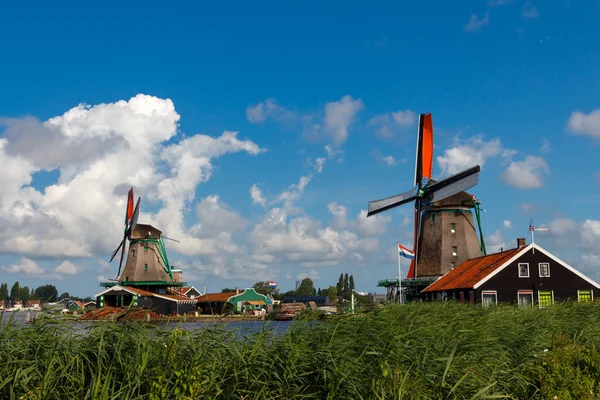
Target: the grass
(416, 351)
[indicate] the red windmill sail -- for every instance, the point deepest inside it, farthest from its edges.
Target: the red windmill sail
(130, 204)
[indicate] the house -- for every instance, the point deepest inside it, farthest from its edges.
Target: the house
(526, 275)
(17, 305)
(34, 304)
(190, 291)
(319, 300)
(89, 304)
(163, 303)
(250, 300)
(74, 305)
(215, 303)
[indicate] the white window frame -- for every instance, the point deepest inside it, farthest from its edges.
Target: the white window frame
(551, 292)
(540, 269)
(520, 292)
(494, 292)
(454, 251)
(591, 292)
(519, 272)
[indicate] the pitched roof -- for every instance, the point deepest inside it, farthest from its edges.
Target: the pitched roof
(470, 272)
(215, 297)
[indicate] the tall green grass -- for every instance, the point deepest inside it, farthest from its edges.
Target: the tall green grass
(416, 351)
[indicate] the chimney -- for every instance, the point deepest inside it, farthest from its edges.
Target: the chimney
(521, 242)
(237, 290)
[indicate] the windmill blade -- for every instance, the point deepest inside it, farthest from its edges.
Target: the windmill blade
(129, 208)
(134, 218)
(117, 250)
(121, 261)
(454, 184)
(424, 156)
(378, 206)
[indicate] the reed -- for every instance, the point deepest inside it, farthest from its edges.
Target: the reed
(415, 351)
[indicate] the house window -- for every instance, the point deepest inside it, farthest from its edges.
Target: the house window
(523, 270)
(525, 298)
(132, 253)
(454, 251)
(545, 298)
(544, 270)
(453, 228)
(145, 267)
(452, 265)
(489, 298)
(585, 295)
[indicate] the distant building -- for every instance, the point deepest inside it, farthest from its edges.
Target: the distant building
(34, 304)
(526, 275)
(378, 297)
(319, 300)
(219, 303)
(297, 285)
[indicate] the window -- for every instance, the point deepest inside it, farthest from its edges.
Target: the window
(453, 228)
(585, 295)
(452, 265)
(525, 298)
(472, 297)
(454, 251)
(132, 253)
(489, 298)
(145, 267)
(145, 247)
(544, 270)
(462, 297)
(523, 270)
(545, 298)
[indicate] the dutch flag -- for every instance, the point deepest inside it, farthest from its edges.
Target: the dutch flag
(404, 252)
(272, 284)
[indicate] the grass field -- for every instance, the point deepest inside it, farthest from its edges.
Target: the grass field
(416, 351)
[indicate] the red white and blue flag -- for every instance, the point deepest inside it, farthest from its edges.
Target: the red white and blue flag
(272, 284)
(404, 252)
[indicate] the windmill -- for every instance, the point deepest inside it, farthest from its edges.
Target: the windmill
(147, 261)
(431, 197)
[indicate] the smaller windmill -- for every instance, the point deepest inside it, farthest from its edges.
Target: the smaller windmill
(532, 229)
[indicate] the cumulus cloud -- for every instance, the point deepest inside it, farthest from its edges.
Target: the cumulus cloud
(464, 154)
(26, 266)
(388, 125)
(66, 268)
(338, 117)
(374, 225)
(257, 196)
(495, 242)
(268, 109)
(526, 174)
(507, 224)
(340, 214)
(585, 124)
(388, 160)
(475, 24)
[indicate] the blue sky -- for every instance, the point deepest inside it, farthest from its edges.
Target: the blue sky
(511, 84)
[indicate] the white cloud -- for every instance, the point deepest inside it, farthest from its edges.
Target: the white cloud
(526, 174)
(257, 196)
(66, 268)
(507, 224)
(374, 225)
(27, 266)
(388, 160)
(476, 24)
(561, 226)
(529, 10)
(338, 117)
(545, 148)
(268, 109)
(340, 213)
(389, 125)
(495, 242)
(475, 150)
(590, 233)
(585, 124)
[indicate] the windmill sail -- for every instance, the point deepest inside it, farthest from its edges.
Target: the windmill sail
(424, 156)
(454, 184)
(378, 206)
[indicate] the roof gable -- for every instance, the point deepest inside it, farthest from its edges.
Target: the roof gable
(470, 273)
(250, 295)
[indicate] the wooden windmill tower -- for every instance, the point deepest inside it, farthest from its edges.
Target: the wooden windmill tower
(444, 228)
(147, 266)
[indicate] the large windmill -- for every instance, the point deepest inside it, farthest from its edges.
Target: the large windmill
(444, 229)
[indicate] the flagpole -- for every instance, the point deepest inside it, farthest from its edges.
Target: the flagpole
(399, 275)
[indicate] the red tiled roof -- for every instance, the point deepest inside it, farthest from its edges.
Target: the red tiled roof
(467, 274)
(217, 297)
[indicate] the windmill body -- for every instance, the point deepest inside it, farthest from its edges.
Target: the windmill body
(444, 230)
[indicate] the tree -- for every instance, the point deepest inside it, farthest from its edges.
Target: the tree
(263, 287)
(65, 295)
(330, 292)
(346, 284)
(351, 283)
(225, 290)
(340, 284)
(306, 288)
(46, 293)
(289, 293)
(24, 294)
(15, 292)
(4, 292)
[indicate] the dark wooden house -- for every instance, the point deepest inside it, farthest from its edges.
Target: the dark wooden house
(526, 275)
